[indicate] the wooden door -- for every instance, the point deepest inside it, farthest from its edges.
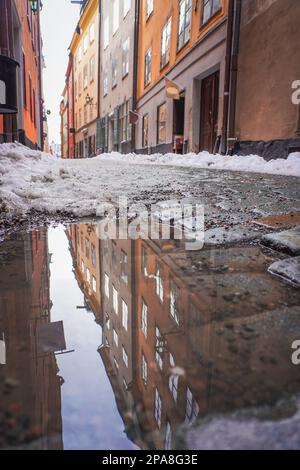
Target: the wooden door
(209, 112)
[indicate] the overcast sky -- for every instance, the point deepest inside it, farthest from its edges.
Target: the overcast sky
(58, 21)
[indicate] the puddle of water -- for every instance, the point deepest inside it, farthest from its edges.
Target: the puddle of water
(120, 344)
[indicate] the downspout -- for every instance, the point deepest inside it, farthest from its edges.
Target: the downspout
(234, 73)
(99, 66)
(40, 79)
(227, 80)
(73, 105)
(135, 69)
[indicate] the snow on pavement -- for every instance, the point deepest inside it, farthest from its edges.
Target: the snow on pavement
(34, 180)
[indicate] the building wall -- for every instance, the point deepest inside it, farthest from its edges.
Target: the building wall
(86, 115)
(202, 55)
(266, 112)
(24, 46)
(88, 266)
(30, 48)
(117, 95)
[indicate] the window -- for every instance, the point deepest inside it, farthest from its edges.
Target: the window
(116, 10)
(144, 370)
(92, 69)
(159, 288)
(92, 32)
(106, 33)
(192, 408)
(82, 267)
(93, 255)
(125, 356)
(184, 27)
(125, 126)
(174, 299)
(125, 58)
(79, 83)
(87, 248)
(124, 315)
(85, 76)
(165, 43)
(79, 54)
(80, 117)
(145, 130)
(114, 73)
(159, 347)
(148, 60)
(209, 8)
(144, 261)
(144, 319)
(173, 386)
(157, 408)
(126, 7)
(30, 97)
(107, 322)
(85, 114)
(94, 284)
(106, 285)
(116, 338)
(116, 363)
(161, 123)
(168, 437)
(115, 300)
(24, 82)
(124, 261)
(105, 82)
(85, 43)
(149, 8)
(34, 108)
(88, 275)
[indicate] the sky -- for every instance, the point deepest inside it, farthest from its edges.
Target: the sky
(58, 21)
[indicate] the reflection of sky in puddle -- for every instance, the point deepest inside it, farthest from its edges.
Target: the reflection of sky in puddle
(90, 416)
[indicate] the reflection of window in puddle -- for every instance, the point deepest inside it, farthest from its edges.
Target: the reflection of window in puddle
(2, 350)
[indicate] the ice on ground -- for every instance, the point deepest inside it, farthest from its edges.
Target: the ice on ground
(289, 240)
(288, 269)
(249, 163)
(34, 180)
(245, 432)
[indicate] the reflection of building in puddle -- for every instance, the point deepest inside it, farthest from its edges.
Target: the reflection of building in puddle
(85, 250)
(2, 349)
(189, 335)
(29, 384)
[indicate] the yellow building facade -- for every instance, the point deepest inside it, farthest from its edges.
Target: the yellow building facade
(85, 52)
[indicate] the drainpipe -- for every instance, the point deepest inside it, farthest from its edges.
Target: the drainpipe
(234, 72)
(40, 78)
(135, 68)
(99, 63)
(230, 21)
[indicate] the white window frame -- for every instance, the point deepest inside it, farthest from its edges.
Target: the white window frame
(125, 356)
(157, 408)
(115, 301)
(124, 315)
(116, 16)
(144, 319)
(115, 338)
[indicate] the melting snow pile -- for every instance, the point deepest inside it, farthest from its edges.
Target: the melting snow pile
(34, 180)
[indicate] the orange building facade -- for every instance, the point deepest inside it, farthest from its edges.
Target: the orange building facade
(22, 44)
(184, 41)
